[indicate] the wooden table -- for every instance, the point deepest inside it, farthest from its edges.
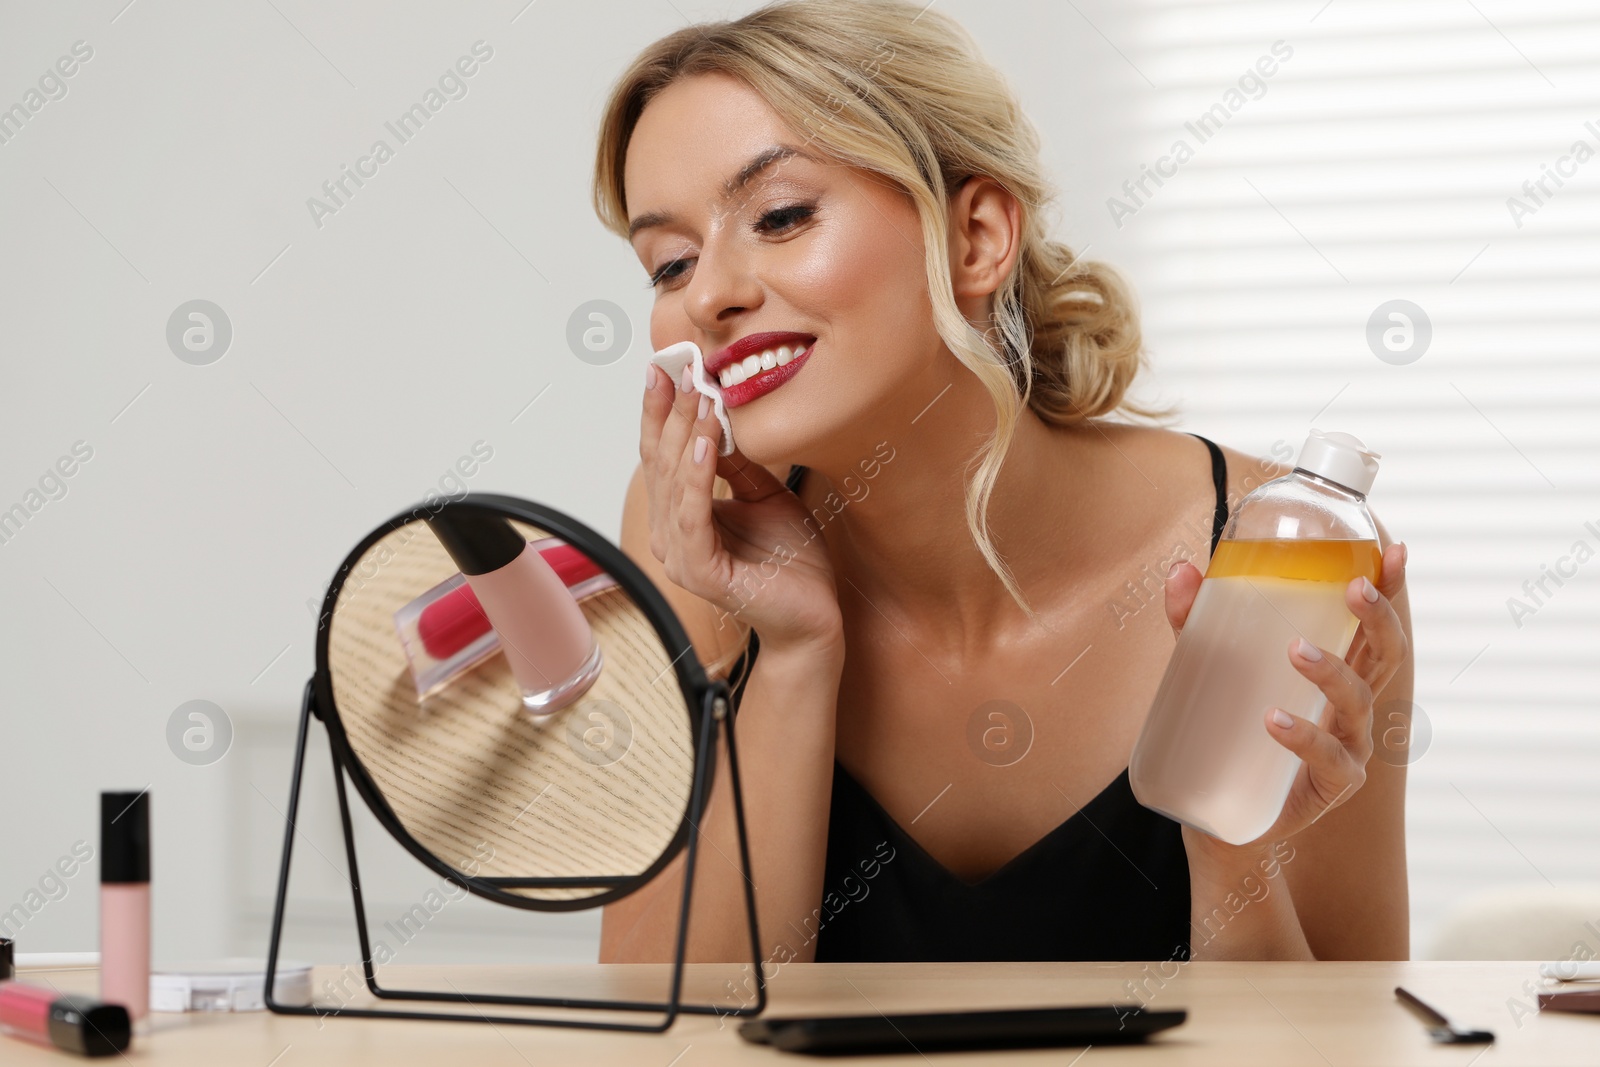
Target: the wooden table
(1271, 1014)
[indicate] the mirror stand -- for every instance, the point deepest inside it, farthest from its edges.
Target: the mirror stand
(714, 714)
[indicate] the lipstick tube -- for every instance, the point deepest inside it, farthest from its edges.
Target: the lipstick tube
(125, 901)
(545, 635)
(75, 1024)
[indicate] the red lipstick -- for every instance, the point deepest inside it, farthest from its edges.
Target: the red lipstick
(764, 382)
(753, 345)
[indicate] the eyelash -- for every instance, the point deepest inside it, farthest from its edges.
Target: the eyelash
(799, 212)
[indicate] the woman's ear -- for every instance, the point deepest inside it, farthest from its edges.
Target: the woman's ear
(985, 239)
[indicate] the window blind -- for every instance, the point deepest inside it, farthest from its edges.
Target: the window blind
(1446, 155)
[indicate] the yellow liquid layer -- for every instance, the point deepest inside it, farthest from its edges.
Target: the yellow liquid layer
(1308, 560)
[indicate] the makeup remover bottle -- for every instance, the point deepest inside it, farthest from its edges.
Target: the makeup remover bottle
(1280, 570)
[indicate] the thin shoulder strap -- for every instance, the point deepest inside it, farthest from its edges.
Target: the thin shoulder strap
(741, 669)
(796, 473)
(1219, 478)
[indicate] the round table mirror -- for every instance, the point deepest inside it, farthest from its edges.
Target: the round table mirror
(507, 704)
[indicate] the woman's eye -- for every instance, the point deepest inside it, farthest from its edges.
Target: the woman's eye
(776, 220)
(666, 273)
(784, 217)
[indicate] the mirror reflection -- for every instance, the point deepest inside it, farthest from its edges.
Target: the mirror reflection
(512, 705)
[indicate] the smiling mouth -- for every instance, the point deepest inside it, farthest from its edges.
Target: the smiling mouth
(753, 365)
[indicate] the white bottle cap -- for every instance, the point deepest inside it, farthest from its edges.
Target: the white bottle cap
(1341, 458)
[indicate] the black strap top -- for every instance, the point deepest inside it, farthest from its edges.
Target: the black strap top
(1109, 883)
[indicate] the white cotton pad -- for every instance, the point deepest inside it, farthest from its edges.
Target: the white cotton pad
(673, 359)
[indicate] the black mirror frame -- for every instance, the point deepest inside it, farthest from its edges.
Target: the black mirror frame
(692, 681)
(709, 704)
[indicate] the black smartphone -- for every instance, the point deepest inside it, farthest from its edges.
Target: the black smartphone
(951, 1030)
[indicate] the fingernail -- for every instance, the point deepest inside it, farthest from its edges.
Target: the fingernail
(1369, 591)
(1308, 650)
(686, 382)
(705, 406)
(1173, 573)
(701, 445)
(649, 375)
(1404, 554)
(1281, 718)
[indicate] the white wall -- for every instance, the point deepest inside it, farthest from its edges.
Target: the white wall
(368, 355)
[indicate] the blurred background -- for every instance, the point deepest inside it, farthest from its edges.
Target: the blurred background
(1383, 219)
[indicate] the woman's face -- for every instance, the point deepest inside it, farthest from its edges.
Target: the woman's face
(805, 248)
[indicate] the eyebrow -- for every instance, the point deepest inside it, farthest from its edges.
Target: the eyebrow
(747, 173)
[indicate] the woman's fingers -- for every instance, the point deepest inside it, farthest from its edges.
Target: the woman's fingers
(690, 563)
(659, 395)
(1349, 696)
(1336, 752)
(672, 419)
(1383, 646)
(1332, 771)
(1183, 582)
(1391, 580)
(1393, 576)
(679, 426)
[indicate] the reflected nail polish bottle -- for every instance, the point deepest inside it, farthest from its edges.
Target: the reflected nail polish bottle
(125, 901)
(445, 632)
(544, 633)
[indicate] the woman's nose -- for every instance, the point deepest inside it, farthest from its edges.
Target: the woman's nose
(723, 285)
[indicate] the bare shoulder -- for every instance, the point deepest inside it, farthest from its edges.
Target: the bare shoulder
(1179, 458)
(1174, 450)
(1247, 471)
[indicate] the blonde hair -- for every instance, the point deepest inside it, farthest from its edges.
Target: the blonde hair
(903, 91)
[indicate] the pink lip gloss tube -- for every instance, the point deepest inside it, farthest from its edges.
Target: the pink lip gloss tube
(125, 901)
(544, 633)
(73, 1024)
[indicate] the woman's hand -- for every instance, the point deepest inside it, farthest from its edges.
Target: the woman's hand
(747, 555)
(1335, 753)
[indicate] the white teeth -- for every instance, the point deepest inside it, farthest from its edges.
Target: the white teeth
(750, 366)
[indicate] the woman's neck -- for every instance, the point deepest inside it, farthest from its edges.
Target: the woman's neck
(901, 539)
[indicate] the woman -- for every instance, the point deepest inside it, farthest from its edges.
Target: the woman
(936, 533)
